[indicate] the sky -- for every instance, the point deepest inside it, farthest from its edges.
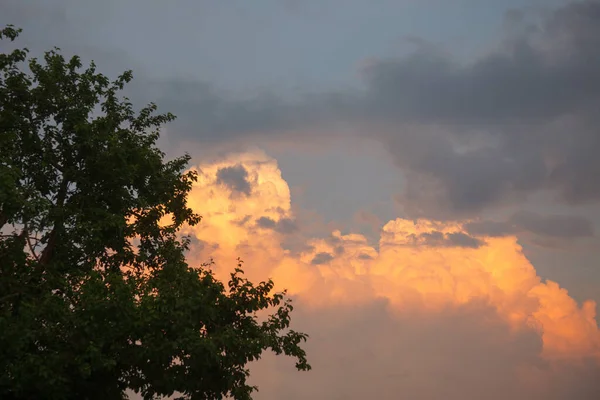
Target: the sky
(422, 176)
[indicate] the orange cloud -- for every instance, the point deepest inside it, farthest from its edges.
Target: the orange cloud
(422, 266)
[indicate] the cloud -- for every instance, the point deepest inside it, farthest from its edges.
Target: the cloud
(547, 71)
(235, 178)
(515, 121)
(468, 136)
(556, 226)
(283, 225)
(368, 351)
(563, 227)
(395, 317)
(491, 228)
(321, 258)
(439, 239)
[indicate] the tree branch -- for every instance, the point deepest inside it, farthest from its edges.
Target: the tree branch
(31, 249)
(49, 249)
(3, 220)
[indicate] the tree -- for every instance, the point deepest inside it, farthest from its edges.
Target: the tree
(96, 297)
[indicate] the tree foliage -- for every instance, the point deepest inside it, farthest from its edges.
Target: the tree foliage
(96, 297)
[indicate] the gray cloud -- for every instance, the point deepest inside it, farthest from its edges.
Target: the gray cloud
(515, 121)
(283, 225)
(557, 226)
(339, 250)
(440, 239)
(243, 221)
(200, 246)
(321, 258)
(266, 222)
(546, 72)
(235, 178)
(491, 228)
(547, 226)
(460, 239)
(207, 114)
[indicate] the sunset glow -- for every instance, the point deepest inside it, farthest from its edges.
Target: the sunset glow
(411, 274)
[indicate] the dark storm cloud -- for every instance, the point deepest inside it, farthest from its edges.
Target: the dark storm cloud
(284, 225)
(548, 226)
(235, 178)
(266, 223)
(491, 228)
(243, 221)
(321, 258)
(440, 239)
(520, 119)
(205, 113)
(460, 239)
(557, 226)
(549, 72)
(201, 245)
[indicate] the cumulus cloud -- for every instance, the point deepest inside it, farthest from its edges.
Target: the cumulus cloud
(429, 304)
